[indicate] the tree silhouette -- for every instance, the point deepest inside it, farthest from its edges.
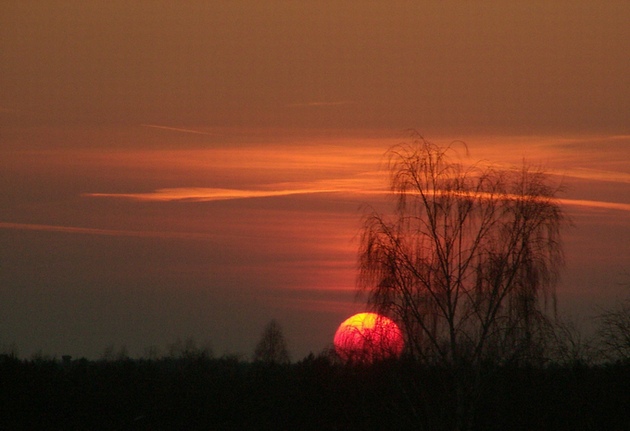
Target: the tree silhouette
(272, 347)
(614, 332)
(464, 261)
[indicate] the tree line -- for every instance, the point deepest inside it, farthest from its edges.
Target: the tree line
(319, 392)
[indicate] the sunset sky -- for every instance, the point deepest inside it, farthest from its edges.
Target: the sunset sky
(194, 169)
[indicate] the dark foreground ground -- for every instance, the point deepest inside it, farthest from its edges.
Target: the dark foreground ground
(313, 394)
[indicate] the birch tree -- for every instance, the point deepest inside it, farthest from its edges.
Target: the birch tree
(465, 262)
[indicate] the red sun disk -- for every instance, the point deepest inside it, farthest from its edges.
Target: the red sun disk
(368, 337)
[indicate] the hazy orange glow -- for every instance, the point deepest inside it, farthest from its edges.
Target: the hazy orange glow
(169, 167)
(267, 222)
(366, 337)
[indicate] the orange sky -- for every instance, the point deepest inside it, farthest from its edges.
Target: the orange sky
(176, 170)
(138, 246)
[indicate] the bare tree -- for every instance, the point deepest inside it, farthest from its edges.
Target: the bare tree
(614, 333)
(466, 260)
(568, 345)
(272, 347)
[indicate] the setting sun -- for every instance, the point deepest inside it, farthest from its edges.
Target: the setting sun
(176, 175)
(366, 337)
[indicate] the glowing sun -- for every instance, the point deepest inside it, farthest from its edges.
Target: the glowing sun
(367, 337)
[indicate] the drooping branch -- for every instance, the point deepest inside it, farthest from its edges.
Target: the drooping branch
(466, 254)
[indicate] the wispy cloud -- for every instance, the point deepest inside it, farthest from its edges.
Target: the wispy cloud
(597, 174)
(104, 232)
(200, 194)
(350, 185)
(207, 194)
(596, 204)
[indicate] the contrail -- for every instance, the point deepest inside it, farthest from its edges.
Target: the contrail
(307, 104)
(177, 129)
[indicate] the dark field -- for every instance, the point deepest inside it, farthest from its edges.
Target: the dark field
(314, 394)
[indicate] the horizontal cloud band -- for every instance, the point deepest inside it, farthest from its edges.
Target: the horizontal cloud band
(205, 194)
(200, 194)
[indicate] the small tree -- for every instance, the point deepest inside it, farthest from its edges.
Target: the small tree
(569, 346)
(272, 347)
(463, 262)
(614, 333)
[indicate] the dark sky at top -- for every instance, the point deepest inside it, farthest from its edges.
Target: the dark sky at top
(488, 66)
